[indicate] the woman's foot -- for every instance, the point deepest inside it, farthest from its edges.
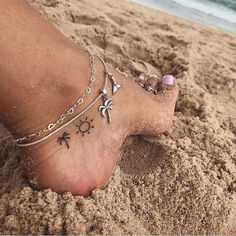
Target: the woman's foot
(82, 156)
(42, 74)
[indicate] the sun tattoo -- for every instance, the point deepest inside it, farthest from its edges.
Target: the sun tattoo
(85, 126)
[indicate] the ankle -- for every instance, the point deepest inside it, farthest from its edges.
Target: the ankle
(51, 97)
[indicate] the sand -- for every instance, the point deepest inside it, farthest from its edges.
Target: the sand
(183, 182)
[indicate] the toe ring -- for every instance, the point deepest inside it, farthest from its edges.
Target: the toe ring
(150, 89)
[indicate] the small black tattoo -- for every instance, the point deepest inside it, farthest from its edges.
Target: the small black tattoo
(64, 138)
(85, 126)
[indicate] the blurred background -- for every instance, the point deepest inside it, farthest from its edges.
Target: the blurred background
(215, 13)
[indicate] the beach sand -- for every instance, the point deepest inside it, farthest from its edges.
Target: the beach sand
(182, 182)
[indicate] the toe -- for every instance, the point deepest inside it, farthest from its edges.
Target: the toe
(156, 111)
(167, 89)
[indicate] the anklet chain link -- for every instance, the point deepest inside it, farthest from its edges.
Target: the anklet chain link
(72, 109)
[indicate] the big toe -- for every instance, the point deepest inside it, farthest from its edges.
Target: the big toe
(156, 107)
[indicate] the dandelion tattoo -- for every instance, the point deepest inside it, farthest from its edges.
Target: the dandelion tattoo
(64, 139)
(85, 126)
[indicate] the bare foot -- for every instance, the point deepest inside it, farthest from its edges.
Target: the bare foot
(44, 74)
(82, 156)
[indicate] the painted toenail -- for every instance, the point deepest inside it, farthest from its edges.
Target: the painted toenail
(168, 80)
(141, 77)
(141, 80)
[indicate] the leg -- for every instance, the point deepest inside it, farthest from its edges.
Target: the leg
(43, 75)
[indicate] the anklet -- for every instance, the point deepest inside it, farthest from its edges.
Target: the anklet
(72, 109)
(104, 108)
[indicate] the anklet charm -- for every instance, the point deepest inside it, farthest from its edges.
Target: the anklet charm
(115, 86)
(107, 105)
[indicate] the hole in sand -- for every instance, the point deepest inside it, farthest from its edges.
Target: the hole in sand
(140, 156)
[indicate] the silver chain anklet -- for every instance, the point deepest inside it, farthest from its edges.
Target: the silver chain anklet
(104, 108)
(71, 110)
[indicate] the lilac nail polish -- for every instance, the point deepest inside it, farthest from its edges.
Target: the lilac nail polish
(141, 77)
(168, 80)
(141, 80)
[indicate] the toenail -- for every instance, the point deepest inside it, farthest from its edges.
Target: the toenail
(141, 79)
(168, 80)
